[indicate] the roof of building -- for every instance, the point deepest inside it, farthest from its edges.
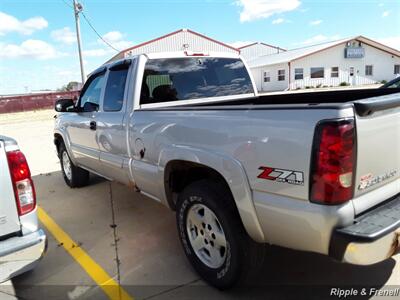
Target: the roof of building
(260, 43)
(171, 34)
(291, 55)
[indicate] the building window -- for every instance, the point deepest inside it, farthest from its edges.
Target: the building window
(281, 75)
(396, 69)
(298, 73)
(335, 72)
(368, 70)
(267, 77)
(317, 72)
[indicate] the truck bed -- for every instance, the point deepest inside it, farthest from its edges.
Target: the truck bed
(336, 96)
(365, 101)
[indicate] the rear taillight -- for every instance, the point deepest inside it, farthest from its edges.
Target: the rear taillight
(23, 185)
(333, 162)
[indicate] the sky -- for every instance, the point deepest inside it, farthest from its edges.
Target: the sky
(38, 48)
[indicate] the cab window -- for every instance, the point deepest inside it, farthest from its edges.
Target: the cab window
(92, 91)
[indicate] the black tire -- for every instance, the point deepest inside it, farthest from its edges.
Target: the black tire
(78, 177)
(241, 254)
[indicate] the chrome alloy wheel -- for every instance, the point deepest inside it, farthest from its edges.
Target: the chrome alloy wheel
(206, 236)
(66, 165)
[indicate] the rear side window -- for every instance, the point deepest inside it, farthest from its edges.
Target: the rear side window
(115, 88)
(192, 78)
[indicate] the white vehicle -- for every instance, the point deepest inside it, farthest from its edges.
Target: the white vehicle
(22, 243)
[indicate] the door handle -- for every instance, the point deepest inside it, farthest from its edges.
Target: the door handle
(93, 125)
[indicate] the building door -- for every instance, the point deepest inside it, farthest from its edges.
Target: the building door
(352, 76)
(265, 80)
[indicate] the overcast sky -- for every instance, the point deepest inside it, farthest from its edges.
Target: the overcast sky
(38, 44)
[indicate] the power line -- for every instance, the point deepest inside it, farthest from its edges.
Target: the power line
(67, 4)
(100, 37)
(92, 27)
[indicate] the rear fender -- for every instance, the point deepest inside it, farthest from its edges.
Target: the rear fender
(233, 173)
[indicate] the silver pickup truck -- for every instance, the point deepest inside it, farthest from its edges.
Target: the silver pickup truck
(316, 172)
(22, 243)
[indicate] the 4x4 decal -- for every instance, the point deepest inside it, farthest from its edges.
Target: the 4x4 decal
(282, 175)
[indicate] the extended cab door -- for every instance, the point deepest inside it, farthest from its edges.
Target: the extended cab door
(82, 129)
(111, 127)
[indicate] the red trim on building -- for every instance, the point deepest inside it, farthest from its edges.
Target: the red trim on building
(152, 41)
(262, 43)
(173, 33)
(212, 40)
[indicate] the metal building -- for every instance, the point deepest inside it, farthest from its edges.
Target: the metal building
(180, 40)
(258, 49)
(352, 61)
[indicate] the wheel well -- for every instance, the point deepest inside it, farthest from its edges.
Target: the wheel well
(57, 141)
(179, 173)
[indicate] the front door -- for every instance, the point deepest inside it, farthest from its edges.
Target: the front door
(265, 80)
(111, 128)
(82, 128)
(352, 76)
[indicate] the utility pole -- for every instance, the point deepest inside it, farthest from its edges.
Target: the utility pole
(77, 9)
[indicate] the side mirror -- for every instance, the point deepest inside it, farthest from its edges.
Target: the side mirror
(64, 105)
(90, 107)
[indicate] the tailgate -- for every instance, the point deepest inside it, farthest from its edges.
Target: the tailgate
(378, 151)
(9, 220)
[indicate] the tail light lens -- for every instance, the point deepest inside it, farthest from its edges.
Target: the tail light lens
(333, 162)
(23, 185)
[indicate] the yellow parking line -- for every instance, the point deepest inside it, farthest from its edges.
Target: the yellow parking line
(113, 290)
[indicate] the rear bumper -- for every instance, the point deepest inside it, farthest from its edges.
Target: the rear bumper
(21, 254)
(373, 237)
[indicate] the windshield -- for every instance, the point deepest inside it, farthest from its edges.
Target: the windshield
(191, 78)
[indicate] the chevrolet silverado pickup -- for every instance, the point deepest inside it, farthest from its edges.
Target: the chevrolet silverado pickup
(22, 243)
(316, 172)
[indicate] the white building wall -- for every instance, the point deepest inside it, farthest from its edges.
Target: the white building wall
(257, 50)
(274, 84)
(382, 62)
(180, 41)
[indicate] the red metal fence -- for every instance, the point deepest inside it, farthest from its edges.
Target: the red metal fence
(32, 101)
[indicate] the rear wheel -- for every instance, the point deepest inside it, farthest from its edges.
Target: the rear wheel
(73, 175)
(212, 235)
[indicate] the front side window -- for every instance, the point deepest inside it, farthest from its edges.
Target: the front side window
(335, 72)
(92, 90)
(281, 75)
(173, 79)
(368, 70)
(317, 72)
(115, 88)
(267, 76)
(298, 73)
(396, 69)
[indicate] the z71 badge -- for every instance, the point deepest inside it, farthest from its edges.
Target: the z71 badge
(282, 175)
